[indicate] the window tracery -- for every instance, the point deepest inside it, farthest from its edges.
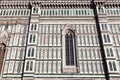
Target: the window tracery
(69, 51)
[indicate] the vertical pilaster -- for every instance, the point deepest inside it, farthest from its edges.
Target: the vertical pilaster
(27, 38)
(31, 48)
(107, 42)
(97, 20)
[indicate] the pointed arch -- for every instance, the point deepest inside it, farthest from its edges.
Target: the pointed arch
(69, 50)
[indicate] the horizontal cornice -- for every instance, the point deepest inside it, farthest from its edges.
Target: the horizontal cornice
(35, 2)
(57, 3)
(44, 4)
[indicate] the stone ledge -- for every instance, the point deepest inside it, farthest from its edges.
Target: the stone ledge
(54, 79)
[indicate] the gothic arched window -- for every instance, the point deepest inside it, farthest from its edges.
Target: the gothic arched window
(69, 49)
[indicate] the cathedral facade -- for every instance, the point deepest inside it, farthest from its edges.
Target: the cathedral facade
(59, 40)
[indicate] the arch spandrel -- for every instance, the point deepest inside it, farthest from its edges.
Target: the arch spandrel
(68, 28)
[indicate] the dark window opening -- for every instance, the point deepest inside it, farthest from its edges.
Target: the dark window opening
(69, 49)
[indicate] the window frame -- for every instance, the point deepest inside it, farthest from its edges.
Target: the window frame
(104, 26)
(101, 10)
(33, 37)
(30, 49)
(106, 38)
(109, 53)
(66, 68)
(33, 27)
(113, 69)
(29, 65)
(69, 42)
